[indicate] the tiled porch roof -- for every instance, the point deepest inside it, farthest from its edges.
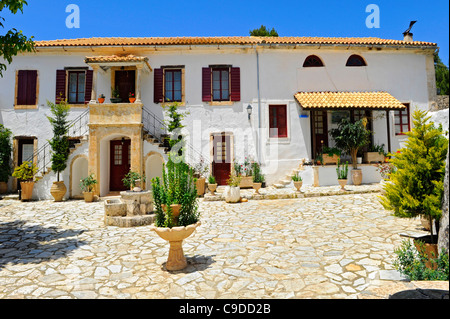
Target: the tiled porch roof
(236, 40)
(345, 100)
(115, 58)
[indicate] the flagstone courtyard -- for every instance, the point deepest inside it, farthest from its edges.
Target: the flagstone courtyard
(320, 247)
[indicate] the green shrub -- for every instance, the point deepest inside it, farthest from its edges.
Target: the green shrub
(5, 153)
(412, 263)
(342, 173)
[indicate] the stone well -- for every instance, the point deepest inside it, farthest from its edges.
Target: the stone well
(130, 210)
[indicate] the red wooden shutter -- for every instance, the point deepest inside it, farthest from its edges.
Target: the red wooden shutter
(235, 76)
(206, 84)
(60, 85)
(158, 85)
(282, 121)
(26, 87)
(88, 87)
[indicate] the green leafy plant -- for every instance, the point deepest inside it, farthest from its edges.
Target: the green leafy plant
(331, 151)
(417, 183)
(377, 148)
(258, 177)
(342, 173)
(177, 186)
(87, 183)
(296, 178)
(350, 137)
(5, 153)
(262, 31)
(413, 263)
(115, 93)
(234, 180)
(25, 172)
(131, 178)
(174, 126)
(211, 179)
(60, 140)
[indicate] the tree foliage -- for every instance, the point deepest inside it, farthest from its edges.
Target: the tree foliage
(13, 41)
(5, 153)
(60, 140)
(418, 179)
(263, 32)
(442, 75)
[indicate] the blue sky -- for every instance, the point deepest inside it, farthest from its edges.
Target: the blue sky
(46, 19)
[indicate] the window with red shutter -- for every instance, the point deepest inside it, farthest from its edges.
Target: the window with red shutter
(76, 87)
(235, 84)
(206, 85)
(88, 89)
(158, 86)
(278, 121)
(26, 87)
(60, 85)
(402, 123)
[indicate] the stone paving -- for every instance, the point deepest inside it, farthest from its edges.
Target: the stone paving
(321, 247)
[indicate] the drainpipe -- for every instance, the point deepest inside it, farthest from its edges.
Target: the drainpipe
(259, 110)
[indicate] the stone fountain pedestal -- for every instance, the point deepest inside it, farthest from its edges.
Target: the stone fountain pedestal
(132, 209)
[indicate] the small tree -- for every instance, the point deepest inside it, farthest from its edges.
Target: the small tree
(350, 137)
(263, 32)
(174, 126)
(5, 153)
(60, 140)
(418, 179)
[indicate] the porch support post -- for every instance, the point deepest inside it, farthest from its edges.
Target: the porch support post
(94, 84)
(388, 125)
(138, 83)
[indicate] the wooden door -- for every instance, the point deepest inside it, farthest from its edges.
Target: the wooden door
(221, 166)
(119, 164)
(125, 82)
(320, 131)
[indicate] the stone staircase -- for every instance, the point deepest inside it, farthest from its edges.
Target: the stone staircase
(287, 180)
(162, 146)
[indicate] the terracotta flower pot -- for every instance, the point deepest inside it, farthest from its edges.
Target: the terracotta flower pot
(256, 187)
(298, 185)
(101, 100)
(132, 99)
(212, 188)
(27, 190)
(176, 208)
(58, 190)
(175, 237)
(88, 197)
(342, 183)
(356, 176)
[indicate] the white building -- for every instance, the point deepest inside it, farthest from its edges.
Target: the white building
(289, 84)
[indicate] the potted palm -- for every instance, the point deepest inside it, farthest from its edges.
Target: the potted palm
(232, 192)
(212, 184)
(60, 145)
(258, 178)
(298, 182)
(87, 186)
(342, 174)
(25, 174)
(5, 158)
(176, 204)
(350, 137)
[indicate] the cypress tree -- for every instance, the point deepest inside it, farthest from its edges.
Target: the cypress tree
(418, 179)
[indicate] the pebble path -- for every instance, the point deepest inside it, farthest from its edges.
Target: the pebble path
(323, 247)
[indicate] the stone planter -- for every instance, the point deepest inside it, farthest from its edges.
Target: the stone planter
(27, 190)
(327, 159)
(298, 185)
(356, 176)
(373, 157)
(200, 184)
(3, 187)
(212, 188)
(246, 182)
(342, 183)
(232, 194)
(256, 187)
(88, 197)
(58, 190)
(175, 237)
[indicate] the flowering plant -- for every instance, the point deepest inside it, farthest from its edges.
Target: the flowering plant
(131, 95)
(385, 170)
(87, 184)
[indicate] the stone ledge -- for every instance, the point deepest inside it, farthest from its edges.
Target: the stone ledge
(130, 221)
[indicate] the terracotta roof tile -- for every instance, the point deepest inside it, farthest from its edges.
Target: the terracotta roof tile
(115, 58)
(237, 40)
(341, 100)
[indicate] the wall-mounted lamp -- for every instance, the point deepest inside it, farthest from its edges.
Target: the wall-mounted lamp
(249, 111)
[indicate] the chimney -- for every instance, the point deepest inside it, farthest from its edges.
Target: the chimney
(408, 37)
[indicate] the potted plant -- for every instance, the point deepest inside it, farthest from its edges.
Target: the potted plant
(330, 155)
(232, 192)
(350, 137)
(87, 186)
(5, 158)
(342, 174)
(101, 98)
(375, 154)
(131, 97)
(25, 174)
(115, 96)
(212, 185)
(132, 180)
(176, 188)
(417, 183)
(298, 182)
(59, 144)
(200, 170)
(258, 178)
